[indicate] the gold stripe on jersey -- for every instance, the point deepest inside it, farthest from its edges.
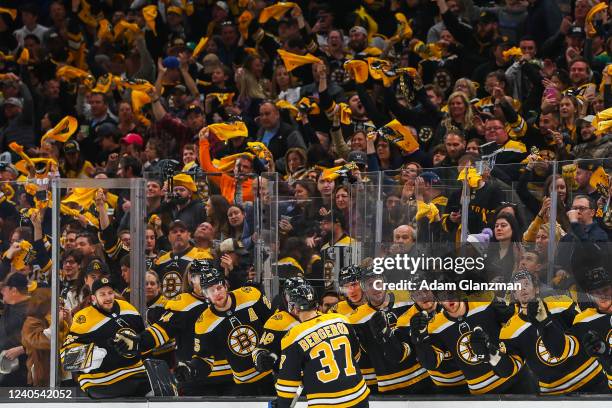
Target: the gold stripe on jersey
(588, 315)
(368, 375)
(401, 379)
(447, 379)
(346, 398)
(90, 319)
(249, 376)
(558, 304)
(111, 377)
(280, 321)
(219, 367)
(287, 388)
(245, 297)
(310, 327)
(344, 308)
(573, 380)
(490, 380)
(183, 302)
(159, 334)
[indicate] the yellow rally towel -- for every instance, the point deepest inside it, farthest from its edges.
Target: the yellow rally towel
(200, 47)
(243, 23)
(603, 122)
(404, 31)
(11, 12)
(149, 13)
(123, 27)
(227, 163)
(371, 23)
(427, 51)
(599, 179)
(104, 31)
(84, 197)
(69, 72)
(259, 149)
(293, 61)
(227, 131)
(141, 85)
(24, 57)
(359, 69)
(473, 177)
(426, 210)
(139, 100)
(63, 130)
(275, 11)
(589, 27)
(514, 52)
(400, 135)
(282, 104)
(345, 114)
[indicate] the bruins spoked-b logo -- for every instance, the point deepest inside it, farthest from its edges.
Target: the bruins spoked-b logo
(171, 284)
(464, 349)
(242, 340)
(546, 357)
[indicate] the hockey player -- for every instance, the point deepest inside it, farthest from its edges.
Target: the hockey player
(176, 325)
(463, 330)
(594, 325)
(119, 374)
(320, 354)
(536, 334)
(230, 329)
(265, 356)
(349, 280)
(374, 322)
(447, 377)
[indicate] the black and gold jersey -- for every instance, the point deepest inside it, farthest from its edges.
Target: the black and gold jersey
(453, 336)
(274, 330)
(389, 376)
(93, 325)
(560, 368)
(171, 267)
(234, 334)
(447, 374)
(321, 354)
(601, 323)
(346, 308)
(155, 308)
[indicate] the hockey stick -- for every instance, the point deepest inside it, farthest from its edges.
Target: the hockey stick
(295, 399)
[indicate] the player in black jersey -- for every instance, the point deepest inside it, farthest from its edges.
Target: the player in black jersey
(320, 354)
(266, 355)
(230, 329)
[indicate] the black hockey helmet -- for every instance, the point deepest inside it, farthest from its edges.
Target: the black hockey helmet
(596, 278)
(209, 276)
(291, 283)
(303, 297)
(349, 274)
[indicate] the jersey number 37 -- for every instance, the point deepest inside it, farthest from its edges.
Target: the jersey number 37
(327, 352)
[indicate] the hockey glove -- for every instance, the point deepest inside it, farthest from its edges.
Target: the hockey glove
(594, 344)
(185, 371)
(126, 344)
(265, 360)
(380, 327)
(418, 327)
(483, 347)
(536, 312)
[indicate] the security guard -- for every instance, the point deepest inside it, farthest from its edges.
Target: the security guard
(230, 329)
(102, 323)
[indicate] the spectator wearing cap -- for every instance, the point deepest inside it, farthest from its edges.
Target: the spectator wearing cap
(334, 231)
(171, 127)
(74, 165)
(432, 190)
(185, 205)
(171, 266)
(235, 261)
(15, 298)
(523, 75)
(29, 16)
(595, 146)
(584, 171)
(132, 145)
(18, 113)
